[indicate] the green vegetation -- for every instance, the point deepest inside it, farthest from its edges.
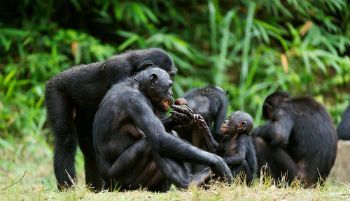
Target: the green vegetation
(250, 48)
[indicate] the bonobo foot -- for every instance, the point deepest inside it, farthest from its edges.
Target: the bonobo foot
(200, 177)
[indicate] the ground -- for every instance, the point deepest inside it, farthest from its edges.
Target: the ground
(26, 174)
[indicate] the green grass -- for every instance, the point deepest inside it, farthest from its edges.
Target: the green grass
(215, 192)
(26, 173)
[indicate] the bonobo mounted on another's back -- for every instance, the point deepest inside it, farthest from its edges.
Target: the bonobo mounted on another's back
(132, 146)
(72, 98)
(298, 139)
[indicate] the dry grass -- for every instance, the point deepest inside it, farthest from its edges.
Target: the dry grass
(38, 182)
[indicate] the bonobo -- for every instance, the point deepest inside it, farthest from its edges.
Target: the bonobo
(235, 145)
(343, 129)
(126, 129)
(211, 103)
(72, 98)
(298, 139)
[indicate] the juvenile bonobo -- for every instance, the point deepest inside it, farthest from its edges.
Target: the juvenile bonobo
(343, 129)
(298, 139)
(211, 103)
(72, 98)
(128, 137)
(235, 145)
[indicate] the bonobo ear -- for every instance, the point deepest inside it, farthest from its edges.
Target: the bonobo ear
(242, 126)
(153, 79)
(145, 65)
(267, 111)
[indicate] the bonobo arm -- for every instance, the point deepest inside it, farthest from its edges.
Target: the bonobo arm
(238, 157)
(165, 144)
(277, 132)
(204, 130)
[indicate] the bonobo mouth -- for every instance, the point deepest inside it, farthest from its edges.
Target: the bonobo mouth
(166, 103)
(224, 129)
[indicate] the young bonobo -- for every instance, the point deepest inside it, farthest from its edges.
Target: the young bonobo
(235, 145)
(131, 144)
(211, 103)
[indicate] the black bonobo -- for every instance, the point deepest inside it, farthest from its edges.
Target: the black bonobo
(343, 129)
(130, 139)
(235, 144)
(211, 103)
(72, 98)
(298, 139)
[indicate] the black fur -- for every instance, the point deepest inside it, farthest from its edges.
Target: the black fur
(298, 140)
(235, 144)
(343, 129)
(72, 98)
(211, 103)
(129, 137)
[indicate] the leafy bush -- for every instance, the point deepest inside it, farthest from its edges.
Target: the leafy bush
(250, 48)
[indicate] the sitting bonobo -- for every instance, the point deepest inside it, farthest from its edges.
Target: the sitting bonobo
(235, 144)
(132, 147)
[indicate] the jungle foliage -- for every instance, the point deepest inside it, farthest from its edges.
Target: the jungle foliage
(250, 48)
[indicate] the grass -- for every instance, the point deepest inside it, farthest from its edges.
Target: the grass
(32, 160)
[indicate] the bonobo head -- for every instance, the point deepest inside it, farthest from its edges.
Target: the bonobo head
(273, 102)
(237, 123)
(156, 84)
(153, 57)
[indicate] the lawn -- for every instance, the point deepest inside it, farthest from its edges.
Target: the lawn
(26, 174)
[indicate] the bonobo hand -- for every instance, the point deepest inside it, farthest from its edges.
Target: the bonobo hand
(222, 169)
(182, 114)
(200, 122)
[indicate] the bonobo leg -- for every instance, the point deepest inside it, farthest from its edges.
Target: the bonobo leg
(243, 168)
(277, 159)
(84, 130)
(172, 170)
(129, 158)
(60, 116)
(177, 173)
(173, 147)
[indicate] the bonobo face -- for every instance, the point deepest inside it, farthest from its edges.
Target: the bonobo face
(238, 122)
(158, 88)
(273, 103)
